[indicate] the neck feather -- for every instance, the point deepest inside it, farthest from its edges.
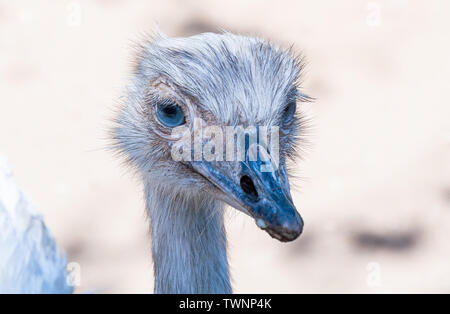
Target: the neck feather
(188, 242)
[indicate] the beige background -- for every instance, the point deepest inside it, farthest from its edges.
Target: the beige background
(375, 193)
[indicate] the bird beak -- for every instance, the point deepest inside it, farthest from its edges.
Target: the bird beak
(264, 195)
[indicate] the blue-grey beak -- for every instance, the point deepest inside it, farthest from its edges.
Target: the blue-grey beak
(264, 195)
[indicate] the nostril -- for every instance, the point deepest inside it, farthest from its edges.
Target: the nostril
(248, 187)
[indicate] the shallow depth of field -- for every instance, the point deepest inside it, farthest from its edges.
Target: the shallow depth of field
(374, 187)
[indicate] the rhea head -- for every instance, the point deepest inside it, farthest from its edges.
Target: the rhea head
(221, 80)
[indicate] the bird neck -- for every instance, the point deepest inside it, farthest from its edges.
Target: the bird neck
(188, 242)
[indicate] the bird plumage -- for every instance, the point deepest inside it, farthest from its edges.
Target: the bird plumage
(30, 261)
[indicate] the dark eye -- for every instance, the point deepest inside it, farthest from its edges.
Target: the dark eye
(170, 114)
(289, 110)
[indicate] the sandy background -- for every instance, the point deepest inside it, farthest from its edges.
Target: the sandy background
(376, 190)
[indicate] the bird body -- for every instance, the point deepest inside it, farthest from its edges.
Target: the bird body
(30, 261)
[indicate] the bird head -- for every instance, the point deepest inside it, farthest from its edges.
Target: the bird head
(215, 114)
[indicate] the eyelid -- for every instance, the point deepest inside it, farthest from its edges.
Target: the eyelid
(164, 102)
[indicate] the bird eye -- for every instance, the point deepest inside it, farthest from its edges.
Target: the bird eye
(289, 110)
(170, 114)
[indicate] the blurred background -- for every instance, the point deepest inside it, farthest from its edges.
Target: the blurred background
(375, 182)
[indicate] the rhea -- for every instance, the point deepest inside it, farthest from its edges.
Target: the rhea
(221, 80)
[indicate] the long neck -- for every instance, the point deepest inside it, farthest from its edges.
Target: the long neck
(188, 243)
